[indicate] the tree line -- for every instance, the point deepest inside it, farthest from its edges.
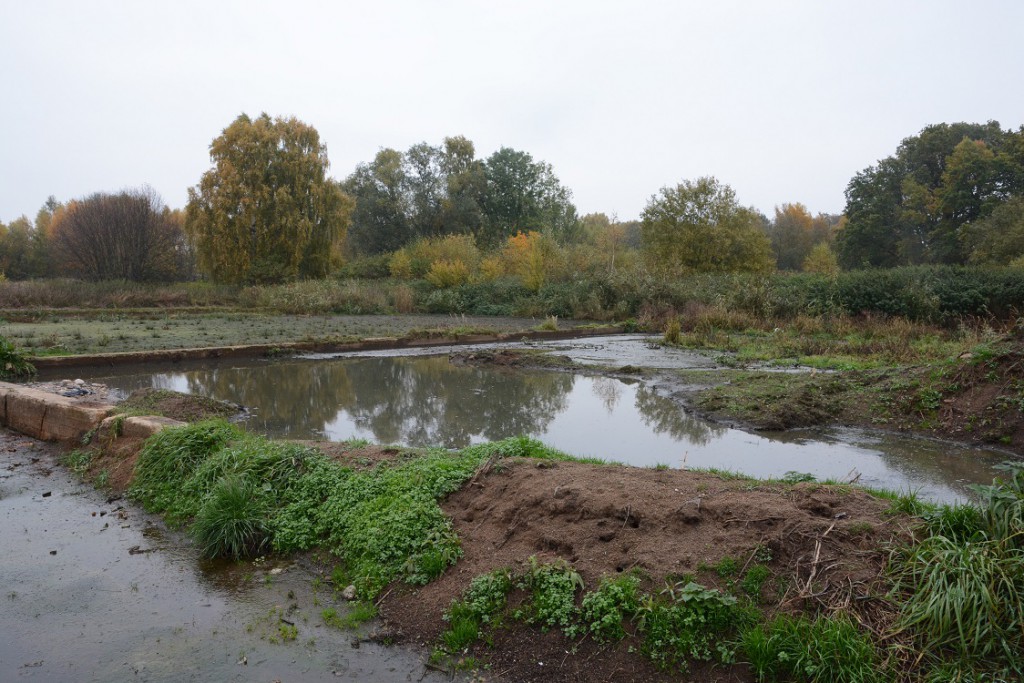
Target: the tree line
(267, 211)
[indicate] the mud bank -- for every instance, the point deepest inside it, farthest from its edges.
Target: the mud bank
(288, 348)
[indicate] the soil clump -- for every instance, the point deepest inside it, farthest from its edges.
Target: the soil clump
(822, 545)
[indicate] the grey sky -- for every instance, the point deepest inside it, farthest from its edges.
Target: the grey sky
(784, 101)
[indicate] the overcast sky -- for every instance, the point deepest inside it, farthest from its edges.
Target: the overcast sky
(784, 101)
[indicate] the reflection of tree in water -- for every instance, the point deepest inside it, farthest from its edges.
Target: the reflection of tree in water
(665, 416)
(608, 391)
(416, 401)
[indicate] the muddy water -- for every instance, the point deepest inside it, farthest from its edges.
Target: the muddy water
(99, 591)
(422, 400)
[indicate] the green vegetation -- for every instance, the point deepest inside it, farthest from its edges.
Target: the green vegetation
(13, 364)
(356, 613)
(602, 612)
(480, 607)
(820, 650)
(962, 584)
(244, 494)
(553, 588)
(231, 522)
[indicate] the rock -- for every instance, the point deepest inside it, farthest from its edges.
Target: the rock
(349, 593)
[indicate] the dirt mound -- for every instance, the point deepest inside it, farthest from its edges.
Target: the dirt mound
(173, 404)
(984, 396)
(821, 543)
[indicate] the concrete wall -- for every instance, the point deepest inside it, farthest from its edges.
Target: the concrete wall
(47, 416)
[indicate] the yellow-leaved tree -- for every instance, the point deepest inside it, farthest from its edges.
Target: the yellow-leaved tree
(267, 212)
(698, 226)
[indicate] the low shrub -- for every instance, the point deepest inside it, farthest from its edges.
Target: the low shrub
(13, 363)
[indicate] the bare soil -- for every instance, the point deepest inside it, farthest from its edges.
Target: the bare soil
(825, 545)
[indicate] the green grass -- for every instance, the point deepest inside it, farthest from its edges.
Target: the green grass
(13, 362)
(357, 613)
(232, 521)
(962, 585)
(170, 457)
(823, 650)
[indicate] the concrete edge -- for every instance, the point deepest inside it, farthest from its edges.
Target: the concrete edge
(52, 417)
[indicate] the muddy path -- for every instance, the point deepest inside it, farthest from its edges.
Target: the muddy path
(94, 589)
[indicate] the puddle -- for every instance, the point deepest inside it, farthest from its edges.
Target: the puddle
(419, 399)
(100, 591)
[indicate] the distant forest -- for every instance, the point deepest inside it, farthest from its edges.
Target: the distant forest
(267, 212)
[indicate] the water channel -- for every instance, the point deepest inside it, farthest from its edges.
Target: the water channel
(96, 591)
(419, 398)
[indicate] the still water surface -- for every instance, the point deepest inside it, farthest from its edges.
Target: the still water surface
(420, 400)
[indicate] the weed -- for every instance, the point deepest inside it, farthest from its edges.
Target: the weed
(964, 582)
(358, 612)
(754, 580)
(688, 622)
(13, 363)
(909, 503)
(673, 332)
(602, 611)
(726, 567)
(553, 589)
(550, 324)
(78, 461)
(794, 477)
(826, 649)
(170, 457)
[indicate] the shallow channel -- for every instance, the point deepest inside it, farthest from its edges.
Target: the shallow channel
(97, 591)
(418, 398)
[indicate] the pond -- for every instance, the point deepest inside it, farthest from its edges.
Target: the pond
(411, 398)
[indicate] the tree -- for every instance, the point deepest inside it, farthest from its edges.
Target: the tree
(380, 219)
(698, 226)
(794, 233)
(124, 236)
(267, 212)
(821, 259)
(524, 195)
(16, 249)
(912, 206)
(999, 238)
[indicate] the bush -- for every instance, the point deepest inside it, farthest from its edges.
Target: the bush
(13, 364)
(443, 274)
(232, 521)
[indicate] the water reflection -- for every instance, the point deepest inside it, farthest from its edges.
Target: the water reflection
(426, 401)
(664, 416)
(412, 401)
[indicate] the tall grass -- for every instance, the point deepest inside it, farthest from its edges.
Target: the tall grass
(963, 583)
(232, 521)
(170, 457)
(828, 649)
